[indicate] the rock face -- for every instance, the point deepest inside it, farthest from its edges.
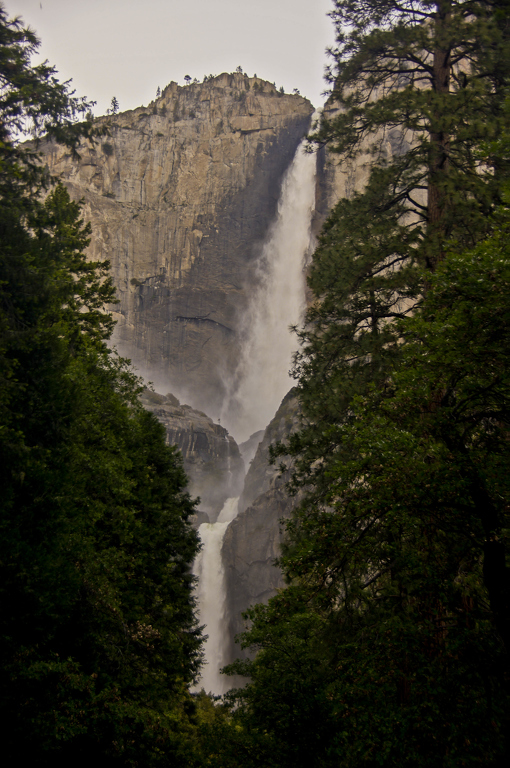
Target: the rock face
(339, 178)
(212, 459)
(180, 197)
(252, 541)
(249, 447)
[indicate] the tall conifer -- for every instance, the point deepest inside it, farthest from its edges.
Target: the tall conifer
(398, 586)
(98, 638)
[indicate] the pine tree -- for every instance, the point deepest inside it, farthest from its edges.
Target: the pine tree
(431, 76)
(98, 638)
(394, 624)
(114, 106)
(390, 644)
(365, 274)
(427, 78)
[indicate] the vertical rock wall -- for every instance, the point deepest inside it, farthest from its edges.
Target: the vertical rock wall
(180, 196)
(211, 457)
(252, 541)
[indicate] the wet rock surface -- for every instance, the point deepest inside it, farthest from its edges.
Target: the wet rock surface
(252, 541)
(211, 456)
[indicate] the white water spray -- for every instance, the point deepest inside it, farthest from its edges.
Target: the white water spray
(262, 376)
(211, 598)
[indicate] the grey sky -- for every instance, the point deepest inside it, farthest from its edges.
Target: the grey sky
(127, 48)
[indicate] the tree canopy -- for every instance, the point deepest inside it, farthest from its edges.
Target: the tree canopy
(98, 637)
(390, 645)
(430, 77)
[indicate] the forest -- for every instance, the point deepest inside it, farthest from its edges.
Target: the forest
(390, 644)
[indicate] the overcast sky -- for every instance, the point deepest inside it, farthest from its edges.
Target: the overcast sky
(127, 48)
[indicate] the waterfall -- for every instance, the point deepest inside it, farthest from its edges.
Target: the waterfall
(262, 376)
(211, 597)
(260, 381)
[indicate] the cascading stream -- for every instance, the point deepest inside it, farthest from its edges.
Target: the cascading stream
(262, 376)
(211, 597)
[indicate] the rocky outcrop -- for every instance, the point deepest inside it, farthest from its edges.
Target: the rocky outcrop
(252, 541)
(211, 456)
(249, 447)
(180, 196)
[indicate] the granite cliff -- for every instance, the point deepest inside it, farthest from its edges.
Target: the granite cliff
(180, 196)
(211, 456)
(252, 541)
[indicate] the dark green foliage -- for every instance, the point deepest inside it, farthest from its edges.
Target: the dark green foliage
(98, 639)
(98, 634)
(429, 77)
(367, 269)
(388, 648)
(390, 645)
(366, 274)
(220, 740)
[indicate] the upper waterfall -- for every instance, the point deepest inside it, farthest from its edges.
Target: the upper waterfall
(179, 198)
(262, 376)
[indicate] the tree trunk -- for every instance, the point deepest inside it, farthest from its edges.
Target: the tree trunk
(437, 202)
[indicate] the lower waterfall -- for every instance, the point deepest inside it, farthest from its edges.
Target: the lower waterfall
(262, 376)
(211, 598)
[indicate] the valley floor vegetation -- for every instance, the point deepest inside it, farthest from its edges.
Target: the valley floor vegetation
(390, 644)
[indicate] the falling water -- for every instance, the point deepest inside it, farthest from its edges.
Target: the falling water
(260, 382)
(262, 376)
(211, 597)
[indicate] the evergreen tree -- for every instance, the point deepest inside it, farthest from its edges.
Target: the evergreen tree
(98, 638)
(394, 626)
(114, 106)
(367, 270)
(365, 273)
(390, 645)
(430, 77)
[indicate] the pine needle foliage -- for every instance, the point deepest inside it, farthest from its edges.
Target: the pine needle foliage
(98, 637)
(431, 75)
(390, 646)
